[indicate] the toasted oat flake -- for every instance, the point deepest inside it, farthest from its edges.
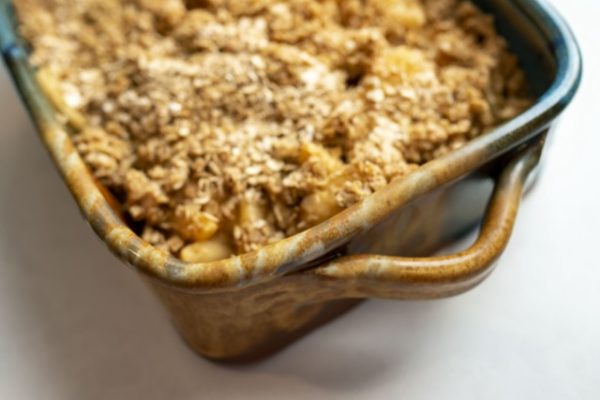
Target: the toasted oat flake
(238, 123)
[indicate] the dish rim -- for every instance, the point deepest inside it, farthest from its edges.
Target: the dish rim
(293, 253)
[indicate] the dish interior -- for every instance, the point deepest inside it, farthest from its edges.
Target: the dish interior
(551, 62)
(528, 38)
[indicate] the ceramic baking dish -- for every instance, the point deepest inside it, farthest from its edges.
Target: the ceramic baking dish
(251, 305)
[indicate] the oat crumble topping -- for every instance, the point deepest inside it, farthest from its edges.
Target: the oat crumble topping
(224, 125)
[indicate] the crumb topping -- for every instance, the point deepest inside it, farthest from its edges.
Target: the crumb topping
(230, 124)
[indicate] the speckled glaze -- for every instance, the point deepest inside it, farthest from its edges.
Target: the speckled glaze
(251, 305)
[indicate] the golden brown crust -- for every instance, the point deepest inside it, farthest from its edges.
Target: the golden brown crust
(250, 120)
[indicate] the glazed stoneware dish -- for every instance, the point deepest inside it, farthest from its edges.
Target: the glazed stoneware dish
(250, 305)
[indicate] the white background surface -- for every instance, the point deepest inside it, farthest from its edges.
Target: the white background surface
(75, 324)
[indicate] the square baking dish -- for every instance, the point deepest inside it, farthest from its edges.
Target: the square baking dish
(251, 305)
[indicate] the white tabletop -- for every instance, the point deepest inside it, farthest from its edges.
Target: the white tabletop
(76, 324)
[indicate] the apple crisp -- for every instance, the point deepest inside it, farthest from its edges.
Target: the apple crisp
(225, 125)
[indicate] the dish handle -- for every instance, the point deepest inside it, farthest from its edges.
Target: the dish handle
(362, 276)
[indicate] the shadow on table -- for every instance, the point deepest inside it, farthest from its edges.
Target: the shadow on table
(102, 334)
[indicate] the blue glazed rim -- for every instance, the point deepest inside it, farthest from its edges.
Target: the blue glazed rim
(293, 254)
